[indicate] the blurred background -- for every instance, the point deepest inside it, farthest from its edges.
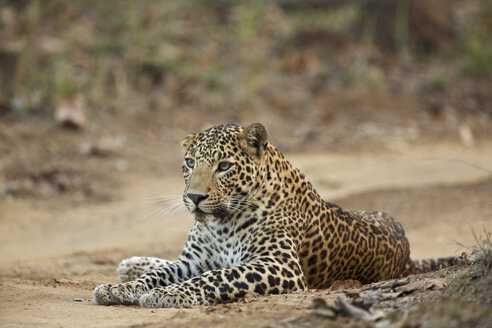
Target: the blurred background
(90, 87)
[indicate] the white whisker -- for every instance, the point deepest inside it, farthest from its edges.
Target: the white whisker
(169, 205)
(232, 204)
(165, 197)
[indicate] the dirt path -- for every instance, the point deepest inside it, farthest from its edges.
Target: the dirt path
(53, 256)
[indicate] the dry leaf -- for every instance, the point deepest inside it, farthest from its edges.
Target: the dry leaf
(390, 296)
(319, 303)
(322, 309)
(326, 313)
(378, 314)
(353, 310)
(390, 283)
(290, 316)
(423, 284)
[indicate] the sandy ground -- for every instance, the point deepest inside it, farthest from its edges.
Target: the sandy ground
(53, 255)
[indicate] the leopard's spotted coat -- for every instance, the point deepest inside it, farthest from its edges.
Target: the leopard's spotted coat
(260, 228)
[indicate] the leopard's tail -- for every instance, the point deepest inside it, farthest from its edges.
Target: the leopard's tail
(428, 265)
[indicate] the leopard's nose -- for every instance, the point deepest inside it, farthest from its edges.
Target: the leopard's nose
(197, 198)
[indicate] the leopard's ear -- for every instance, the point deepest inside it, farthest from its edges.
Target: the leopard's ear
(253, 140)
(187, 142)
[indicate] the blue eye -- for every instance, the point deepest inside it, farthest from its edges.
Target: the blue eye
(224, 166)
(190, 163)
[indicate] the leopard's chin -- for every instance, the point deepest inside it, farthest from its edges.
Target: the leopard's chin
(200, 216)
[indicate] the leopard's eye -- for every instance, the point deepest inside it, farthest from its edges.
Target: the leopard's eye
(224, 166)
(190, 163)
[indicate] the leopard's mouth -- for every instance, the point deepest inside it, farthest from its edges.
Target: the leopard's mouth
(202, 216)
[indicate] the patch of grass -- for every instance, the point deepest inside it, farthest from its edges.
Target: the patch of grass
(452, 312)
(438, 81)
(477, 59)
(459, 281)
(247, 20)
(480, 258)
(401, 25)
(482, 252)
(475, 287)
(442, 273)
(339, 19)
(110, 45)
(65, 82)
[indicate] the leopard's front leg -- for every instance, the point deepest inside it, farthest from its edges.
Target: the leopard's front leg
(129, 292)
(275, 276)
(134, 267)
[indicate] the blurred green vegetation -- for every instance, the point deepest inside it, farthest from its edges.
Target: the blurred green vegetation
(231, 54)
(477, 59)
(477, 38)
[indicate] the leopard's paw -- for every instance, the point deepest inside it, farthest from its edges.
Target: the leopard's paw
(126, 294)
(131, 269)
(102, 295)
(161, 298)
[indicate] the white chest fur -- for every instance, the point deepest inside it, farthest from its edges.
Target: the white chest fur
(220, 246)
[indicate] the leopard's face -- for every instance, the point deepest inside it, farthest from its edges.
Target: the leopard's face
(220, 172)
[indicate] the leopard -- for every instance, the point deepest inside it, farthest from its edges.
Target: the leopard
(260, 228)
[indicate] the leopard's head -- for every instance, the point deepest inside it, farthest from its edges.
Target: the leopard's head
(221, 169)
